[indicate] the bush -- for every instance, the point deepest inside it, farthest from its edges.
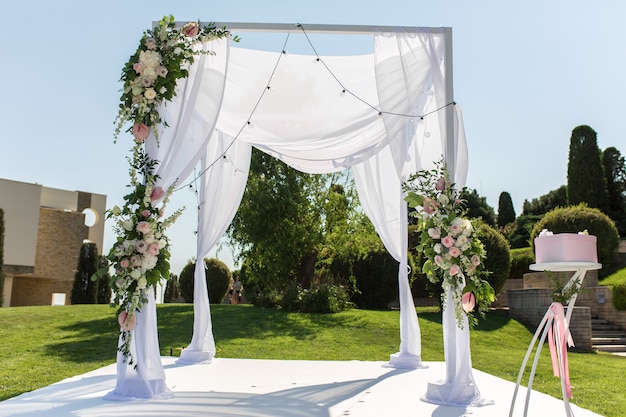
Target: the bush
(376, 278)
(521, 259)
(619, 296)
(218, 278)
(172, 290)
(498, 261)
(325, 299)
(575, 219)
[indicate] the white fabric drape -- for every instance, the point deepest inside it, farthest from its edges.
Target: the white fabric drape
(319, 116)
(147, 379)
(225, 171)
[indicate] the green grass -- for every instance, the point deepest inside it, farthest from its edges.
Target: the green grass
(616, 278)
(42, 345)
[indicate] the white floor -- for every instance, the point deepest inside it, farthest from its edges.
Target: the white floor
(273, 388)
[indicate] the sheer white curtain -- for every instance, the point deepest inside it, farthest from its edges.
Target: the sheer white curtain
(225, 171)
(191, 117)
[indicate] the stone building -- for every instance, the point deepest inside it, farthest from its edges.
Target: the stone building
(44, 230)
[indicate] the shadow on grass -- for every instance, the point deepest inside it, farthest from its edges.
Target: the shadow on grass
(494, 320)
(90, 341)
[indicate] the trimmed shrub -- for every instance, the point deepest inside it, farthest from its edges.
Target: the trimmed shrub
(578, 218)
(376, 280)
(619, 296)
(521, 259)
(324, 299)
(217, 275)
(498, 261)
(171, 289)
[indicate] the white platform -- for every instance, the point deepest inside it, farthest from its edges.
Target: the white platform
(276, 388)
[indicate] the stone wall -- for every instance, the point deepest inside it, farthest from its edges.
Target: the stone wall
(60, 236)
(600, 302)
(529, 305)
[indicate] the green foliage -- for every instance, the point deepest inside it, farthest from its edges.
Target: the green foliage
(217, 278)
(521, 259)
(615, 173)
(619, 296)
(172, 290)
(376, 280)
(1, 257)
(586, 182)
(323, 298)
(498, 260)
(506, 211)
(104, 282)
(477, 207)
(520, 237)
(84, 289)
(545, 203)
(579, 218)
(278, 227)
(561, 292)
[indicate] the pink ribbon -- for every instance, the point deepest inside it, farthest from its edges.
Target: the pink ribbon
(559, 338)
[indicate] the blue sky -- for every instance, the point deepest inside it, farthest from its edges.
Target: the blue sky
(525, 74)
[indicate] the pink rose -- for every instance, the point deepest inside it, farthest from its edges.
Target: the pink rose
(151, 44)
(191, 29)
(145, 213)
(455, 252)
(127, 323)
(156, 194)
(140, 132)
(475, 260)
(447, 241)
(153, 249)
(440, 184)
(124, 263)
(439, 261)
(138, 67)
(141, 246)
(469, 301)
(135, 260)
(430, 205)
(455, 270)
(161, 71)
(143, 227)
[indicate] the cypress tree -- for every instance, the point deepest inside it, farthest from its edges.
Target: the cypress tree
(506, 212)
(586, 182)
(104, 282)
(615, 172)
(84, 290)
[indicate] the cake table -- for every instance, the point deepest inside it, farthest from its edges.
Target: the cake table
(580, 269)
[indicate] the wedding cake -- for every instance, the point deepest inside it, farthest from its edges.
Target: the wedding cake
(565, 247)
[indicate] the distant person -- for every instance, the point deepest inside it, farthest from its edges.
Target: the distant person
(235, 295)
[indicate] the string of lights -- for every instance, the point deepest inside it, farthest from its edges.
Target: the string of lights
(344, 90)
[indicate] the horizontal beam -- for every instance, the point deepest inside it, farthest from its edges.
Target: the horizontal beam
(317, 28)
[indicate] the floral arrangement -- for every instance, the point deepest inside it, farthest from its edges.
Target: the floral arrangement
(449, 241)
(151, 73)
(140, 256)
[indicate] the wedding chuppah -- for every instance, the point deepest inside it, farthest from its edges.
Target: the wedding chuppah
(191, 97)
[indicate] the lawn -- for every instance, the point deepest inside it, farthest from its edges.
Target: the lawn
(43, 345)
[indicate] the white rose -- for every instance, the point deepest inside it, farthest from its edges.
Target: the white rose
(150, 94)
(141, 283)
(149, 262)
(437, 248)
(128, 225)
(178, 51)
(162, 243)
(443, 199)
(135, 273)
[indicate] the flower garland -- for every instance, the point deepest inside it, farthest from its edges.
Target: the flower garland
(140, 256)
(151, 73)
(449, 241)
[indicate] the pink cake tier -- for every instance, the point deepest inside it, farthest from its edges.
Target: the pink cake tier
(566, 247)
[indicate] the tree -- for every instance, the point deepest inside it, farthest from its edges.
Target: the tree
(586, 182)
(278, 227)
(506, 212)
(104, 282)
(615, 173)
(545, 203)
(84, 290)
(217, 277)
(477, 207)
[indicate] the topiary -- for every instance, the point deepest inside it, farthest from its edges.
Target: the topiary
(521, 259)
(578, 218)
(217, 277)
(498, 260)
